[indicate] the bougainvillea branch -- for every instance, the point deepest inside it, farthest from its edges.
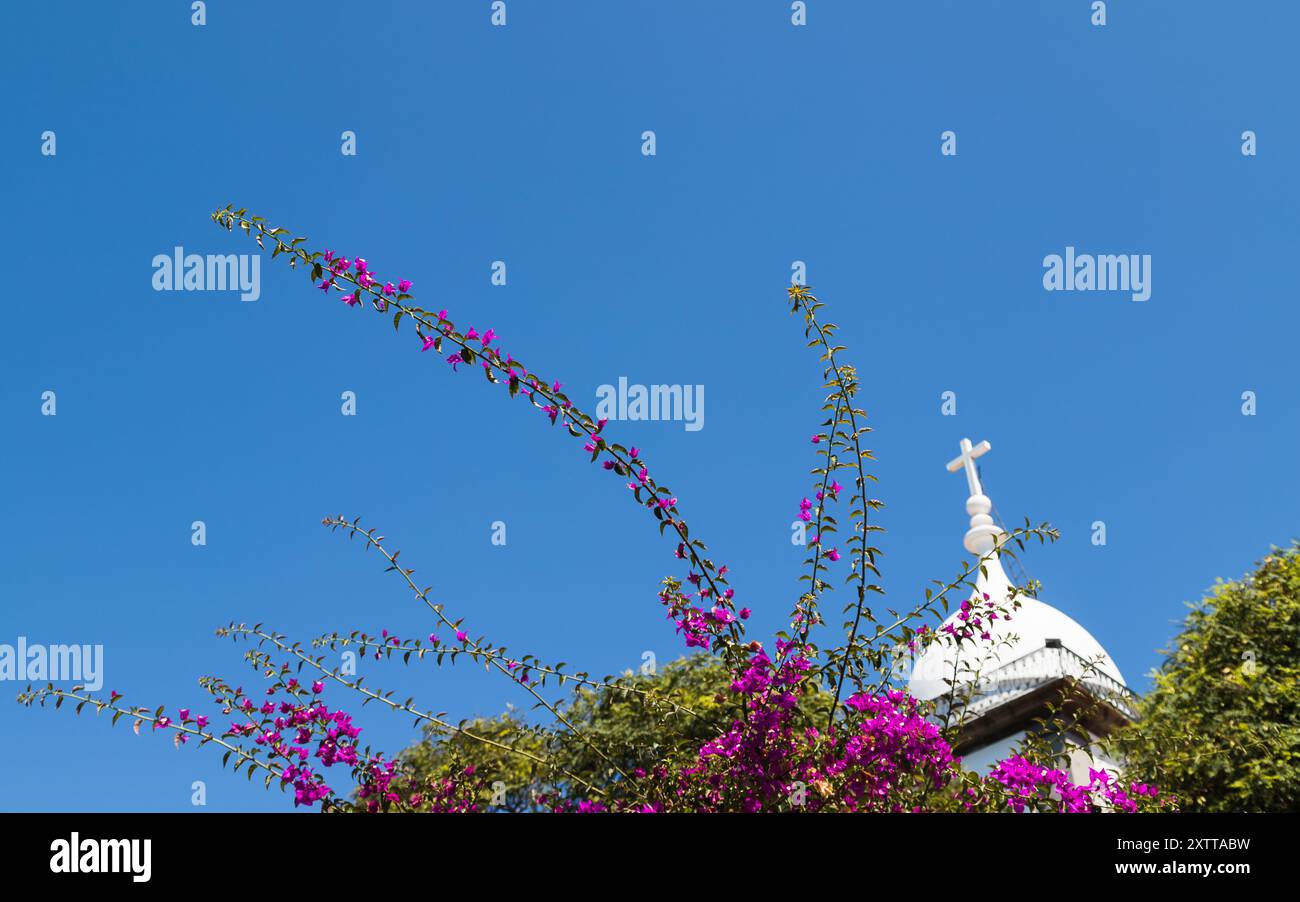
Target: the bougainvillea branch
(389, 646)
(846, 433)
(262, 661)
(701, 628)
(375, 541)
(141, 716)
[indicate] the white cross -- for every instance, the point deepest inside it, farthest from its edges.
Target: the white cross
(967, 459)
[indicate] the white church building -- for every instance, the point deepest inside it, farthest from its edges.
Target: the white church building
(1037, 658)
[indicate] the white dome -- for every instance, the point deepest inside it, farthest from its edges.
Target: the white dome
(1005, 670)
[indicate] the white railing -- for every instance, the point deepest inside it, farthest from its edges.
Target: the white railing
(1042, 666)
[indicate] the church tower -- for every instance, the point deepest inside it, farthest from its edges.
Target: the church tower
(1037, 657)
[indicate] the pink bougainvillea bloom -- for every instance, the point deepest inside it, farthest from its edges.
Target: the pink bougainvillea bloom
(635, 452)
(201, 721)
(461, 636)
(455, 359)
(744, 613)
(317, 687)
(816, 439)
(185, 715)
(833, 554)
(389, 289)
(360, 265)
(471, 334)
(859, 702)
(488, 336)
(429, 341)
(329, 255)
(405, 286)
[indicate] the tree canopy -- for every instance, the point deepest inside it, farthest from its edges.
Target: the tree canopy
(1221, 727)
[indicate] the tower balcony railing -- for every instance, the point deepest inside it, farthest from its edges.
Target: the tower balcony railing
(1041, 666)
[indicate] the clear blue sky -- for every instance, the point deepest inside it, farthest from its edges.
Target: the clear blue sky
(522, 143)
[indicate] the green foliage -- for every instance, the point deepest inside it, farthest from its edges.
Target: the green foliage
(632, 732)
(1221, 728)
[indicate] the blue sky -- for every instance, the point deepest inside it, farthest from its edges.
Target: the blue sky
(475, 143)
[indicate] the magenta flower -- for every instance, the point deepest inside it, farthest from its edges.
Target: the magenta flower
(405, 286)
